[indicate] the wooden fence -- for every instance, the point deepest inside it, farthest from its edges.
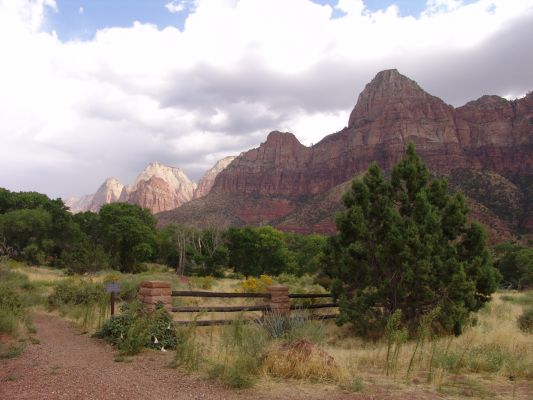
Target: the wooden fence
(276, 300)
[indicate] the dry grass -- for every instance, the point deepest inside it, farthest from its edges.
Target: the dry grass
(491, 356)
(38, 274)
(491, 353)
(301, 360)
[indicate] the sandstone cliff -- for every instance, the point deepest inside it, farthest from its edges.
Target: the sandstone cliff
(79, 204)
(489, 134)
(208, 179)
(158, 187)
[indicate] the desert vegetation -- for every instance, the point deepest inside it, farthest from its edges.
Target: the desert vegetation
(415, 281)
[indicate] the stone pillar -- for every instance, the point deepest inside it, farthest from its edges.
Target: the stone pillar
(279, 299)
(153, 292)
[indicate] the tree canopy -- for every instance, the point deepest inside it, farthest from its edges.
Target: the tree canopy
(128, 232)
(515, 263)
(404, 243)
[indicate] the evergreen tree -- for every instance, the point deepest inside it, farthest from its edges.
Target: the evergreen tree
(404, 243)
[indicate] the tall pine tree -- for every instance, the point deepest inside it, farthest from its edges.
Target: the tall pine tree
(404, 243)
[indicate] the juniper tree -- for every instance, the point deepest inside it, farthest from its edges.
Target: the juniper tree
(405, 243)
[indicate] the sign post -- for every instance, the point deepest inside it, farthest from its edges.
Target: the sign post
(113, 288)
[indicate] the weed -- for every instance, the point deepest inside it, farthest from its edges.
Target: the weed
(11, 351)
(188, 353)
(424, 329)
(243, 349)
(84, 301)
(396, 337)
(525, 320)
(301, 360)
(352, 384)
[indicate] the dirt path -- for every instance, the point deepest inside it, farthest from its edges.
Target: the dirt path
(69, 365)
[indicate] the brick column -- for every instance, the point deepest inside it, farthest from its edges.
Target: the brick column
(153, 292)
(279, 299)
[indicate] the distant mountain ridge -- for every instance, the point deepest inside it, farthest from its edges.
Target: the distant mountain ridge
(285, 183)
(158, 187)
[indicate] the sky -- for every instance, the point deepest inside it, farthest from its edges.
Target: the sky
(97, 88)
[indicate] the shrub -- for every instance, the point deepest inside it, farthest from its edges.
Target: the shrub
(136, 328)
(525, 321)
(302, 360)
(256, 285)
(129, 288)
(76, 292)
(16, 294)
(33, 255)
(202, 282)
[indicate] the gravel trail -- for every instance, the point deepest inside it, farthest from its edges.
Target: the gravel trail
(69, 365)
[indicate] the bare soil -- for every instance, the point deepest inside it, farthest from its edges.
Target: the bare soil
(68, 365)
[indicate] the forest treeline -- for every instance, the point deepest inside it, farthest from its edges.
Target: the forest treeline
(42, 231)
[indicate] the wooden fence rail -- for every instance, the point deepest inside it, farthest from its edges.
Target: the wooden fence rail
(277, 301)
(184, 293)
(263, 307)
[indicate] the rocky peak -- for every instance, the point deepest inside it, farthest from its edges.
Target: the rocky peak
(388, 87)
(208, 179)
(174, 176)
(159, 187)
(280, 148)
(79, 204)
(276, 138)
(108, 192)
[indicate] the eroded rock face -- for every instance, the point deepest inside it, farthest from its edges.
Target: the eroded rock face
(159, 188)
(208, 179)
(109, 192)
(490, 133)
(79, 204)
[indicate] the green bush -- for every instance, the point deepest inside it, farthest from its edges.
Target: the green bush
(129, 288)
(76, 292)
(136, 328)
(16, 294)
(525, 321)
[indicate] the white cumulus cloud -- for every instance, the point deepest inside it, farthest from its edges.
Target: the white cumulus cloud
(73, 113)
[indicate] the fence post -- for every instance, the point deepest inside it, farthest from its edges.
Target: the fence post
(153, 292)
(279, 299)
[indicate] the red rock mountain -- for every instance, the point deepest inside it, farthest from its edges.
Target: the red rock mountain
(208, 179)
(158, 187)
(295, 187)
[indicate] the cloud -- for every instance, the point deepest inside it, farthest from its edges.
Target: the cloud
(80, 10)
(73, 113)
(175, 6)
